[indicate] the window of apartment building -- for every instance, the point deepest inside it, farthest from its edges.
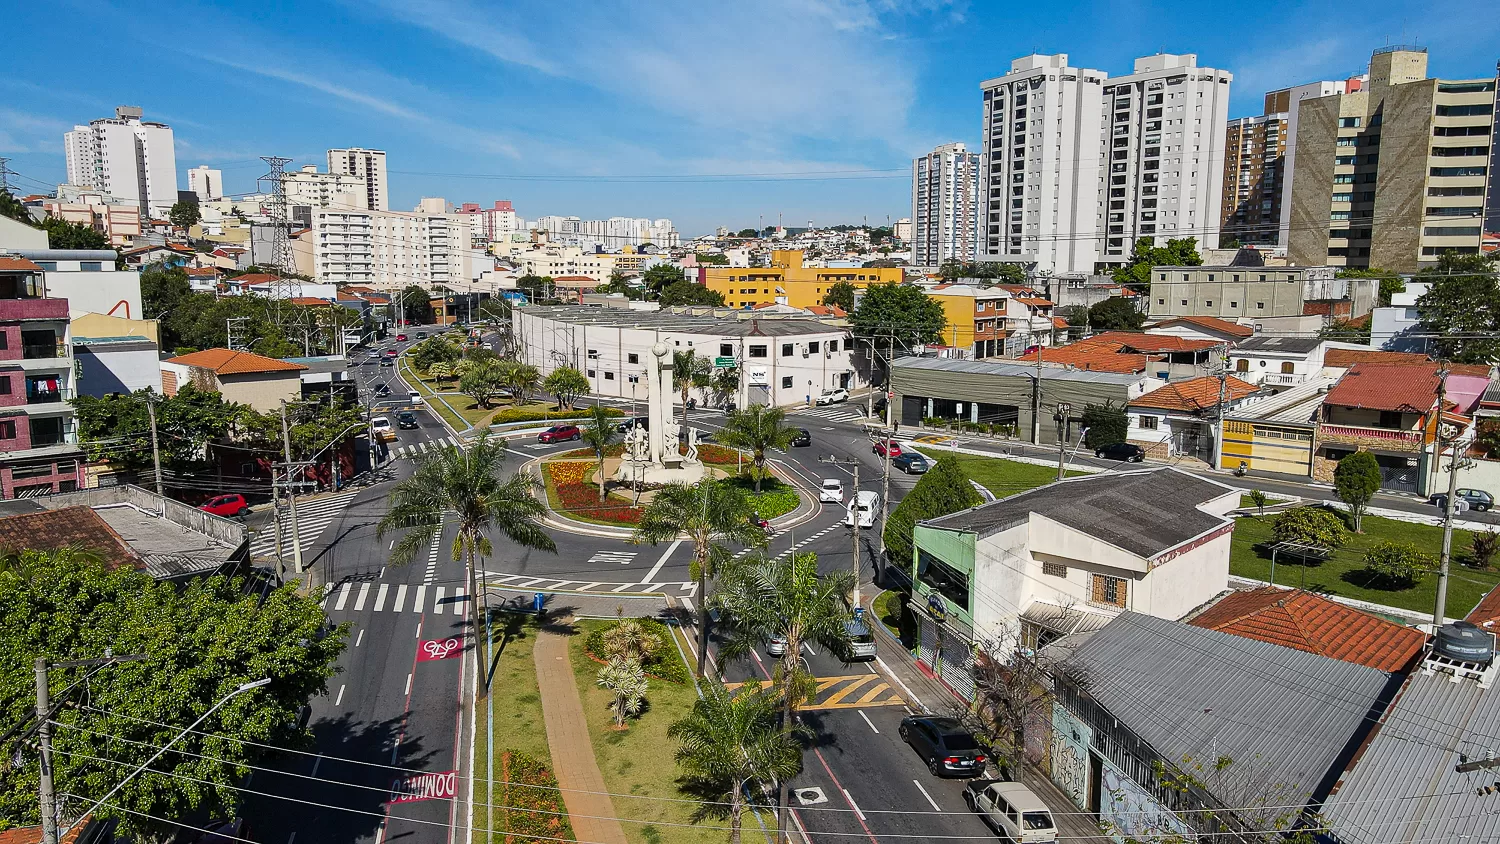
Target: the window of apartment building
(609, 376)
(8, 429)
(632, 358)
(1457, 171)
(1234, 304)
(1184, 303)
(1476, 190)
(1242, 365)
(1148, 423)
(1347, 142)
(1461, 152)
(786, 382)
(1348, 122)
(1260, 306)
(1456, 211)
(591, 373)
(1464, 110)
(786, 350)
(1343, 197)
(758, 351)
(1109, 590)
(1055, 570)
(1344, 160)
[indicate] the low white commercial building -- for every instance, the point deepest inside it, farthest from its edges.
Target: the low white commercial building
(780, 361)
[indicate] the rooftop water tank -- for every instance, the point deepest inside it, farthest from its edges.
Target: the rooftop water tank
(1464, 642)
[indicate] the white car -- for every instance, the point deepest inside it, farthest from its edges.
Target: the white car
(382, 428)
(1012, 810)
(833, 396)
(867, 506)
(416, 397)
(832, 491)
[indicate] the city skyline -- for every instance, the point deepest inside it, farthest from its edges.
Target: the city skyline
(659, 117)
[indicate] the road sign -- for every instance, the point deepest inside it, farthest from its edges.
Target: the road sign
(890, 394)
(723, 361)
(434, 649)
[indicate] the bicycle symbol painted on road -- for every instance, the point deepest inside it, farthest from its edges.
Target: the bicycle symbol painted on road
(438, 649)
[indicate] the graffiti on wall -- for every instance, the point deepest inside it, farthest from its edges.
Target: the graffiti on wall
(1070, 755)
(1128, 811)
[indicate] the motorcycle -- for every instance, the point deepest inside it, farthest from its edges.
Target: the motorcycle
(1241, 470)
(763, 524)
(692, 404)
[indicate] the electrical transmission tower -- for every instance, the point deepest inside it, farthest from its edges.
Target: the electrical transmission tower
(4, 175)
(282, 264)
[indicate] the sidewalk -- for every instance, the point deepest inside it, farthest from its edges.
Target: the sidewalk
(590, 809)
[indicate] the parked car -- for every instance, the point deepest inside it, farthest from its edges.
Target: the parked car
(944, 744)
(406, 420)
(861, 640)
(802, 438)
(1476, 499)
(559, 433)
(832, 491)
(1129, 452)
(910, 462)
(882, 446)
(867, 505)
(400, 338)
(642, 422)
(1012, 810)
(833, 396)
(230, 505)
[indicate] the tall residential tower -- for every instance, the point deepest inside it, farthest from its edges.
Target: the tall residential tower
(944, 206)
(367, 164)
(130, 159)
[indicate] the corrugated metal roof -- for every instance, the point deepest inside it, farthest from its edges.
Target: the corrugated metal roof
(985, 367)
(1271, 343)
(1283, 717)
(1300, 405)
(1403, 789)
(708, 324)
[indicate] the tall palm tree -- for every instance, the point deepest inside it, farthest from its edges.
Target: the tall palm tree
(707, 512)
(758, 428)
(599, 432)
(689, 371)
(522, 380)
(467, 483)
(761, 599)
(729, 742)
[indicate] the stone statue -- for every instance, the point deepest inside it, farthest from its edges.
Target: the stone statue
(692, 444)
(652, 453)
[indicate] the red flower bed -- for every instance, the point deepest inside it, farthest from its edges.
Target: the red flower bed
(717, 454)
(577, 497)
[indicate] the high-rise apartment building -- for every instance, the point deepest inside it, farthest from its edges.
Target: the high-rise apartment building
(367, 164)
(1163, 153)
(945, 206)
(610, 234)
(1392, 175)
(208, 184)
(490, 224)
(39, 452)
(390, 249)
(307, 187)
(1254, 150)
(127, 158)
(1288, 101)
(1492, 199)
(1041, 164)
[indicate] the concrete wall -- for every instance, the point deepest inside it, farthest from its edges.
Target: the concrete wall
(224, 530)
(1401, 191)
(263, 391)
(1311, 195)
(119, 367)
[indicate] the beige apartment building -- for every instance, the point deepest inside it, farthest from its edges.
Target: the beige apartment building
(1254, 151)
(1392, 175)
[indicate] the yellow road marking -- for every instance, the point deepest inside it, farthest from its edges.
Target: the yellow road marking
(872, 694)
(838, 697)
(879, 694)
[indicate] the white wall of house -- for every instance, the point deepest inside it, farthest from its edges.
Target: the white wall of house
(1269, 369)
(94, 287)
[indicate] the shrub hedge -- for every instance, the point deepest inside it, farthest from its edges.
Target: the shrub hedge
(527, 414)
(660, 665)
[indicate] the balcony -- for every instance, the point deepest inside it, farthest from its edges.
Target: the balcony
(35, 396)
(15, 310)
(44, 351)
(1375, 439)
(1283, 379)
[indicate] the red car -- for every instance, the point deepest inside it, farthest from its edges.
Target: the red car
(227, 505)
(559, 433)
(880, 448)
(390, 353)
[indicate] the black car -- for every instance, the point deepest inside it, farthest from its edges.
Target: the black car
(642, 422)
(944, 744)
(803, 438)
(387, 361)
(406, 419)
(381, 390)
(910, 462)
(1121, 451)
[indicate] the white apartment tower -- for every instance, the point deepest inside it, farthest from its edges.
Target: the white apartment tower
(391, 249)
(127, 158)
(367, 164)
(945, 206)
(1041, 164)
(306, 186)
(1162, 154)
(206, 183)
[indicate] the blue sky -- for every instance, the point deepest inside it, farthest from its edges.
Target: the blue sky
(637, 109)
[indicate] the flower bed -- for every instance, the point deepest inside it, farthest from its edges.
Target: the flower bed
(529, 805)
(614, 450)
(571, 493)
(717, 455)
(774, 499)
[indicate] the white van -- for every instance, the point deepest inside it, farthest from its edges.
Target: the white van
(867, 504)
(1012, 810)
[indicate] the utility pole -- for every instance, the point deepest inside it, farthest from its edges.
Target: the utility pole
(1036, 402)
(1448, 503)
(44, 739)
(1217, 454)
(291, 494)
(155, 448)
(854, 505)
(1466, 767)
(885, 488)
(1063, 409)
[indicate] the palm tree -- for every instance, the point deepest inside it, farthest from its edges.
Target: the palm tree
(522, 380)
(725, 383)
(689, 371)
(626, 680)
(729, 742)
(758, 428)
(627, 638)
(707, 512)
(599, 433)
(467, 483)
(763, 599)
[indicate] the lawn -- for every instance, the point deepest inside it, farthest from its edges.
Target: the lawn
(1344, 573)
(518, 729)
(1000, 476)
(639, 760)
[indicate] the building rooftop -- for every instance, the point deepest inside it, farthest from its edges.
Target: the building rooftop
(1286, 718)
(1300, 405)
(1195, 394)
(52, 530)
(1345, 358)
(1014, 369)
(686, 323)
(1303, 621)
(10, 264)
(227, 362)
(1409, 389)
(1145, 512)
(1274, 344)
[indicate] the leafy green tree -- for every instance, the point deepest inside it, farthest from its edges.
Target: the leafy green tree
(1391, 282)
(725, 382)
(1107, 424)
(841, 294)
(760, 599)
(1356, 479)
(954, 269)
(599, 433)
(625, 680)
(629, 639)
(567, 384)
(1398, 564)
(1483, 545)
(1076, 315)
(880, 234)
(415, 303)
(12, 208)
(718, 259)
(1116, 313)
(65, 235)
(689, 293)
(1315, 526)
(747, 233)
(482, 381)
(522, 380)
(1346, 331)
(200, 642)
(1462, 304)
(1258, 499)
(534, 286)
(184, 214)
(758, 429)
(731, 743)
(660, 276)
(314, 428)
(898, 313)
(1145, 254)
(620, 283)
(944, 489)
(707, 513)
(466, 483)
(117, 428)
(689, 372)
(440, 370)
(434, 350)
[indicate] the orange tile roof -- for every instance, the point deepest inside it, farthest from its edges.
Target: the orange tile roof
(1031, 300)
(226, 362)
(826, 310)
(1149, 344)
(1344, 358)
(21, 264)
(1091, 359)
(1195, 394)
(1486, 613)
(1222, 326)
(255, 278)
(203, 271)
(33, 834)
(307, 301)
(1410, 389)
(1059, 322)
(1311, 623)
(71, 526)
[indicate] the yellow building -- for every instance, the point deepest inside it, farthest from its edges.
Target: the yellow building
(976, 318)
(787, 281)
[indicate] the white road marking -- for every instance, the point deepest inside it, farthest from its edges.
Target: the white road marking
(361, 640)
(400, 598)
(622, 587)
(868, 721)
(343, 596)
(316, 764)
(437, 599)
(364, 592)
(651, 575)
(419, 630)
(462, 600)
(930, 801)
(380, 596)
(408, 684)
(340, 697)
(587, 586)
(852, 804)
(419, 603)
(624, 558)
(687, 602)
(532, 582)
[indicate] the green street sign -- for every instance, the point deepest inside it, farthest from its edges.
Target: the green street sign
(723, 361)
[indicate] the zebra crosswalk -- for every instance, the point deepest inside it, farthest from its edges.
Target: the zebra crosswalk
(552, 584)
(313, 516)
(837, 413)
(428, 447)
(383, 597)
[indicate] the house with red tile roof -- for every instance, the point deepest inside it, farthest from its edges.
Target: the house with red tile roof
(242, 377)
(1307, 622)
(1202, 328)
(1176, 419)
(1161, 356)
